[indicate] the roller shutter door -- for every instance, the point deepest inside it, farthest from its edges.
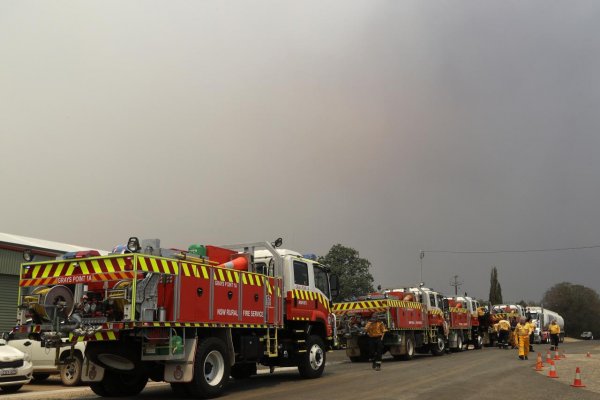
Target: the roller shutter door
(9, 287)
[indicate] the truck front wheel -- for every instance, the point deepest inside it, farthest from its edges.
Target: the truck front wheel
(211, 369)
(439, 347)
(312, 363)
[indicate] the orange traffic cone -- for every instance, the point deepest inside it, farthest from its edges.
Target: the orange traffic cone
(577, 381)
(556, 356)
(588, 355)
(552, 373)
(239, 263)
(539, 365)
(548, 357)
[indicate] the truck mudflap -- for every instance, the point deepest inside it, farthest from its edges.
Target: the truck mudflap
(91, 372)
(182, 371)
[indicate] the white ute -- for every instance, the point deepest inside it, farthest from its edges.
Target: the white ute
(44, 360)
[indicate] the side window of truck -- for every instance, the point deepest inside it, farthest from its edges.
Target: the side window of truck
(261, 268)
(432, 299)
(440, 302)
(300, 273)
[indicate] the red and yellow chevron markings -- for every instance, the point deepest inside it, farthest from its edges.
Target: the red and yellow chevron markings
(66, 271)
(374, 305)
(310, 295)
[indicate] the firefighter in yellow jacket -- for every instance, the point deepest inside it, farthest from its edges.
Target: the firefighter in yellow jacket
(554, 334)
(522, 332)
(375, 329)
(503, 330)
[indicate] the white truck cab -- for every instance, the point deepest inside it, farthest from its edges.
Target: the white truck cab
(468, 303)
(428, 297)
(298, 272)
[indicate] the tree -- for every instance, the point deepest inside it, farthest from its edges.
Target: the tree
(353, 272)
(577, 304)
(495, 288)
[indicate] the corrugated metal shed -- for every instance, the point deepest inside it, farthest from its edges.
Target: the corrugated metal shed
(11, 260)
(33, 243)
(9, 288)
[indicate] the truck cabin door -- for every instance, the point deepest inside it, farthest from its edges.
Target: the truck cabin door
(432, 303)
(441, 302)
(300, 307)
(321, 281)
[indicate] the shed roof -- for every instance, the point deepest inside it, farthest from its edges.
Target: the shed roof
(42, 244)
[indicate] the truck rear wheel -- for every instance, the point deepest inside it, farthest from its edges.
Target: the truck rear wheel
(409, 347)
(211, 369)
(438, 348)
(312, 363)
(114, 355)
(459, 343)
(118, 384)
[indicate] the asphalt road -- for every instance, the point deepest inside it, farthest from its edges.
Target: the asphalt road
(473, 374)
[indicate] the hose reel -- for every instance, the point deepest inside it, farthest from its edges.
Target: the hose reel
(44, 301)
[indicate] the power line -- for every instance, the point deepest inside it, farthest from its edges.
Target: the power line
(512, 251)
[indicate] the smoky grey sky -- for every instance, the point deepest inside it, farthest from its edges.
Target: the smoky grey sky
(387, 126)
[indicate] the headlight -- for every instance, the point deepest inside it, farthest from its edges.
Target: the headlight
(27, 358)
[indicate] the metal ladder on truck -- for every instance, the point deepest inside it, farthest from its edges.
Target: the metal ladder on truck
(271, 337)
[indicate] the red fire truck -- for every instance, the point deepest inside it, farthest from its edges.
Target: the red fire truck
(464, 320)
(191, 318)
(413, 316)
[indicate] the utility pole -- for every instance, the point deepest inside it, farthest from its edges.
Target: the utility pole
(456, 284)
(421, 256)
